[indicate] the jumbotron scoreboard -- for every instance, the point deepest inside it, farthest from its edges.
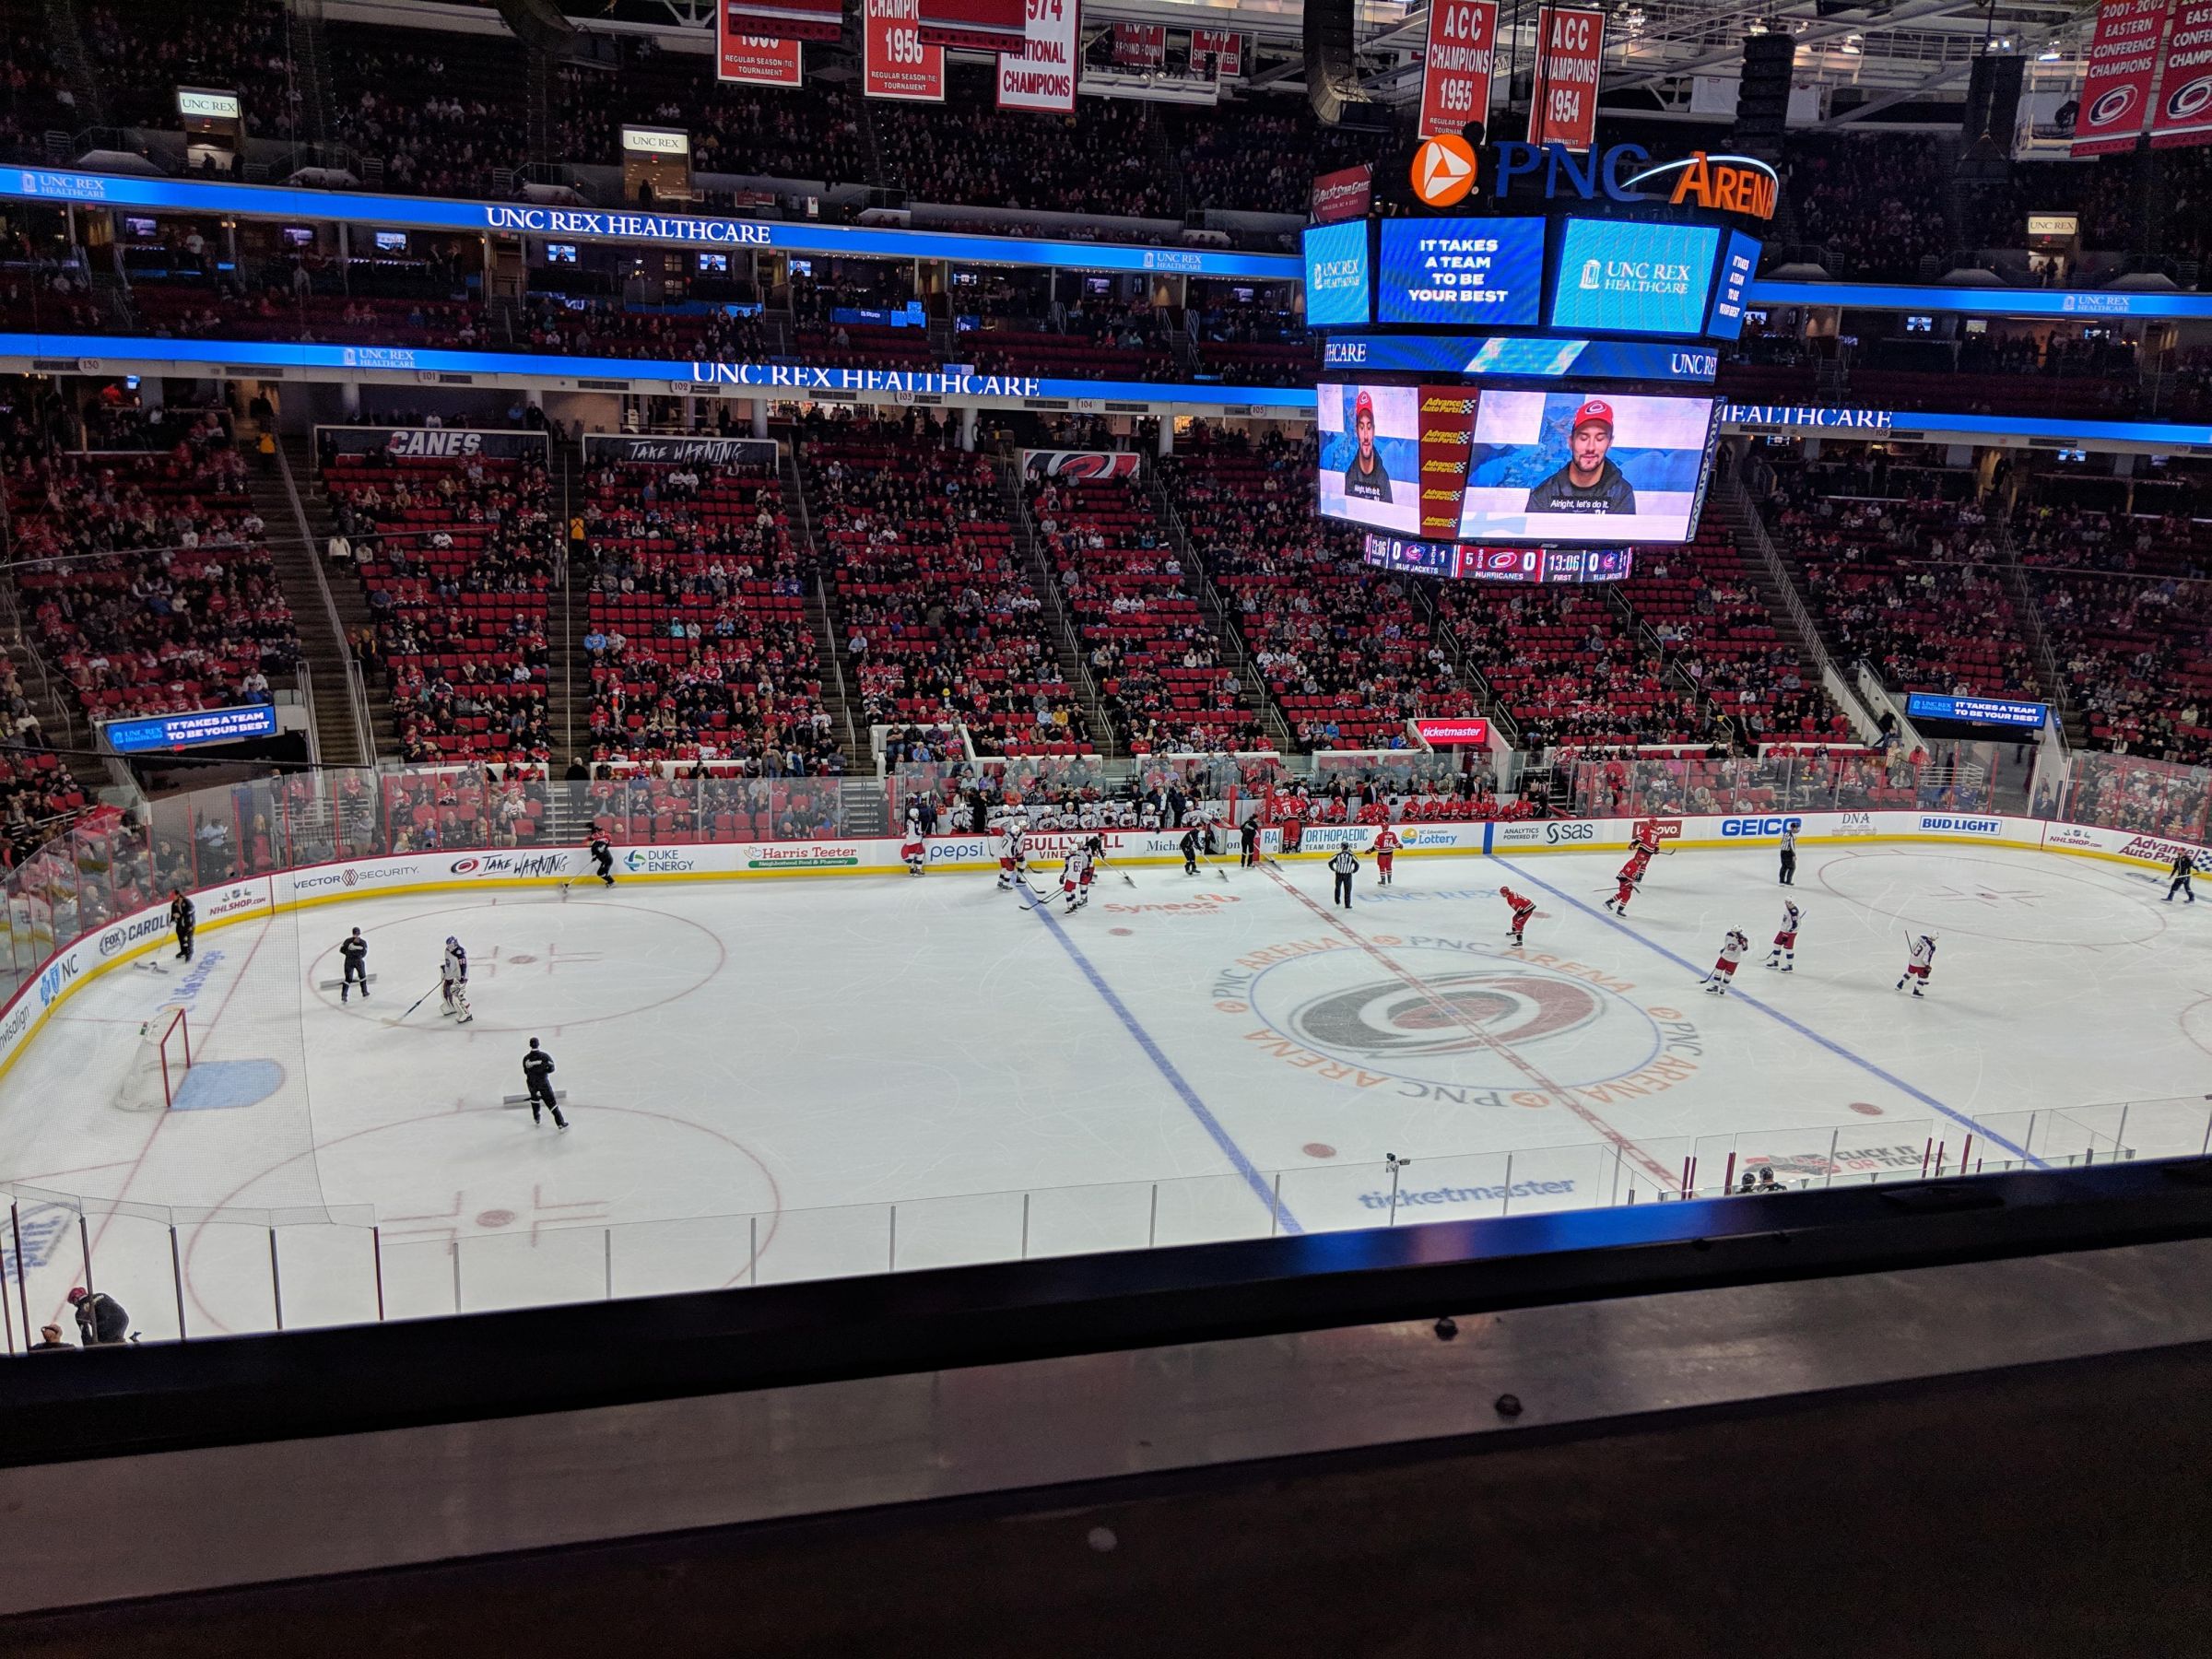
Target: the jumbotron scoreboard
(1517, 381)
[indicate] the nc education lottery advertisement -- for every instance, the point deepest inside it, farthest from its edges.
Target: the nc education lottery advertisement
(1584, 466)
(1370, 456)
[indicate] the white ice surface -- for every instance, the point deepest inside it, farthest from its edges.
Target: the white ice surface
(762, 1073)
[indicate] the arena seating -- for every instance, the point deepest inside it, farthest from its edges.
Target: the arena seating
(1910, 587)
(1346, 652)
(181, 608)
(700, 641)
(1154, 651)
(1874, 201)
(457, 560)
(940, 620)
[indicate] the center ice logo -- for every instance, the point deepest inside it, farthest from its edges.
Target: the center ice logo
(1459, 1014)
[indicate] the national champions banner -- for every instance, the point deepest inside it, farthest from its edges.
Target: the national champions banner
(1081, 466)
(2116, 84)
(1041, 76)
(1455, 65)
(2184, 111)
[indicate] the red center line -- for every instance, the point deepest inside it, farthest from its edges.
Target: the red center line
(1527, 1067)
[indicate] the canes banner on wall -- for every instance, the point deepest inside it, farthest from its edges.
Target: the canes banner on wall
(1569, 53)
(774, 20)
(2116, 83)
(1081, 466)
(2184, 111)
(760, 61)
(1455, 66)
(1041, 76)
(895, 63)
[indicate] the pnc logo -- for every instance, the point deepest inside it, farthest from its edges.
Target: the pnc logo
(1444, 171)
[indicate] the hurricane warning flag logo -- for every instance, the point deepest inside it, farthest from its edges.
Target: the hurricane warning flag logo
(1387, 1020)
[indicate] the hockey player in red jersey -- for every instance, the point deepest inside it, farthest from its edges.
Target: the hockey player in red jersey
(1922, 965)
(1523, 910)
(1619, 903)
(1784, 954)
(1724, 971)
(1387, 849)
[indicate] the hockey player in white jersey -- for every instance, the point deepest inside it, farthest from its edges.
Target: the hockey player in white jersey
(911, 848)
(1013, 852)
(1784, 954)
(1922, 965)
(1075, 877)
(1724, 971)
(452, 974)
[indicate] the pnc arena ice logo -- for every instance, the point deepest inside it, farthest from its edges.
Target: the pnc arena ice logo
(1383, 1021)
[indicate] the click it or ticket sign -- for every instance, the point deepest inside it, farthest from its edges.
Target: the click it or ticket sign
(894, 62)
(1571, 48)
(1041, 76)
(1455, 65)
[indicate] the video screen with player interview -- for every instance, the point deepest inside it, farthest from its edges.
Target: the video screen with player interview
(1370, 465)
(1585, 466)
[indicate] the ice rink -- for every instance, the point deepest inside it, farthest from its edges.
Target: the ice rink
(779, 1080)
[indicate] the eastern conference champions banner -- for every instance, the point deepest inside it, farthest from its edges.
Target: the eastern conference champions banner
(2115, 89)
(2183, 114)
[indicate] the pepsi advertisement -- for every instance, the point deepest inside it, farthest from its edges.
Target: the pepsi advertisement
(1448, 273)
(1626, 276)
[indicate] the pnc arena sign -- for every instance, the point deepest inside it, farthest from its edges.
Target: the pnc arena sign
(1738, 185)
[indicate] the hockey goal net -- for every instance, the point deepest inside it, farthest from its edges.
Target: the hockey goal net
(161, 1064)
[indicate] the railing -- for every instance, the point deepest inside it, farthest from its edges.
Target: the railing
(356, 697)
(1839, 781)
(186, 1273)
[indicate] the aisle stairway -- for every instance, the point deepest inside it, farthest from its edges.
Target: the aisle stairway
(295, 548)
(347, 595)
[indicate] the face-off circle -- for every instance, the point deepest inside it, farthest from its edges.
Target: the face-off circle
(1472, 1020)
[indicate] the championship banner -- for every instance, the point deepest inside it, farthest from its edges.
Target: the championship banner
(2184, 111)
(431, 443)
(1140, 45)
(1447, 445)
(774, 20)
(981, 25)
(1080, 467)
(2116, 84)
(1041, 76)
(1224, 46)
(758, 60)
(895, 63)
(617, 449)
(1455, 65)
(1346, 194)
(1571, 48)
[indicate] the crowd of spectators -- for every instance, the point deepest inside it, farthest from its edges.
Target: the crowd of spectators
(1160, 665)
(1875, 203)
(146, 576)
(457, 555)
(141, 55)
(1344, 648)
(699, 644)
(1263, 155)
(941, 622)
(1913, 586)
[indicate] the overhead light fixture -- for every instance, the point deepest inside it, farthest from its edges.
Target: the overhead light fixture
(2049, 54)
(1851, 45)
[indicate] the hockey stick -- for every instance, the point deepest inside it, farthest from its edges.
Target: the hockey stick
(416, 1004)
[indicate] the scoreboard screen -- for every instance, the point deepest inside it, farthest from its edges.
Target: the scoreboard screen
(1625, 276)
(1458, 273)
(1336, 276)
(1585, 466)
